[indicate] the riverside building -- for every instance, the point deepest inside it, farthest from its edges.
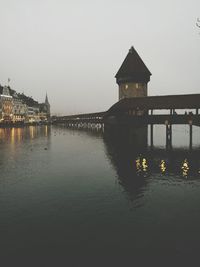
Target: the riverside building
(14, 109)
(6, 106)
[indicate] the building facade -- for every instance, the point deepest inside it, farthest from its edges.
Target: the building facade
(13, 109)
(19, 109)
(33, 115)
(6, 106)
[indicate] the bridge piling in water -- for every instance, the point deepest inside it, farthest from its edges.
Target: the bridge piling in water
(191, 128)
(151, 136)
(168, 136)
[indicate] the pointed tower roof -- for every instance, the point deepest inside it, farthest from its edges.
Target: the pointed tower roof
(133, 69)
(46, 99)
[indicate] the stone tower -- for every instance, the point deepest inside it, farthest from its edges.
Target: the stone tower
(133, 76)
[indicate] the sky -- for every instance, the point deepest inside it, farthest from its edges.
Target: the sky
(72, 49)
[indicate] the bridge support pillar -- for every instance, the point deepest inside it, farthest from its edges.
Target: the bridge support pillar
(168, 136)
(151, 136)
(190, 135)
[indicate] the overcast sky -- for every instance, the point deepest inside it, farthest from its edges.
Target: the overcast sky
(72, 49)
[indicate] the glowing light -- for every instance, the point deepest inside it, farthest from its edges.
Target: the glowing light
(138, 164)
(163, 166)
(141, 165)
(144, 165)
(32, 132)
(46, 130)
(185, 168)
(13, 133)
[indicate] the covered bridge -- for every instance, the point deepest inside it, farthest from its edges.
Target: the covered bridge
(141, 105)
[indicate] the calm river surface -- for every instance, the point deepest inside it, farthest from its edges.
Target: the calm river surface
(86, 198)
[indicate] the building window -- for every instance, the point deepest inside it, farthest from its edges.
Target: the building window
(137, 85)
(126, 86)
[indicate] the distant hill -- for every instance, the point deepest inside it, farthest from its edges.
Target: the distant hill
(29, 101)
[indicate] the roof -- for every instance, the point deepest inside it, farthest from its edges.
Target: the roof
(133, 68)
(190, 101)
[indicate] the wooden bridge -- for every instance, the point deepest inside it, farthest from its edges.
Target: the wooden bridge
(139, 111)
(92, 118)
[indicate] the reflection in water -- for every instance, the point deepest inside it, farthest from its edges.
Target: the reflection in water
(32, 132)
(18, 135)
(64, 199)
(24, 140)
(14, 139)
(141, 166)
(123, 147)
(144, 165)
(163, 166)
(185, 168)
(136, 164)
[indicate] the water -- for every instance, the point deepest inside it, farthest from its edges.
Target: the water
(83, 198)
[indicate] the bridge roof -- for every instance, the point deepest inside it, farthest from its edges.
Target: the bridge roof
(191, 101)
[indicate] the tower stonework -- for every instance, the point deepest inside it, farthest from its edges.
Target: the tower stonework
(133, 76)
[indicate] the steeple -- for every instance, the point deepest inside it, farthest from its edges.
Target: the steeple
(46, 100)
(133, 76)
(47, 107)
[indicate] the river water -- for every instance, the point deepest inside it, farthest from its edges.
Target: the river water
(92, 198)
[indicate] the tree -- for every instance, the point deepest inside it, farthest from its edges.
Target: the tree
(198, 22)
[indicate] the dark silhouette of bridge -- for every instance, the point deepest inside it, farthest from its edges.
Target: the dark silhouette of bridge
(135, 108)
(139, 112)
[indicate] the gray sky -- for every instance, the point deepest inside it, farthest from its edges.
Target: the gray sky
(72, 49)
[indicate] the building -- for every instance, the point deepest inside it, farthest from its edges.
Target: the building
(133, 76)
(20, 110)
(33, 115)
(6, 105)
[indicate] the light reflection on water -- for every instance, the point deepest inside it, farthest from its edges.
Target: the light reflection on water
(69, 192)
(163, 166)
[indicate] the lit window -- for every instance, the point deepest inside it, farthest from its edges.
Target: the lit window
(126, 86)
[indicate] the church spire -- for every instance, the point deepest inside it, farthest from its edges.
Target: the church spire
(46, 99)
(47, 107)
